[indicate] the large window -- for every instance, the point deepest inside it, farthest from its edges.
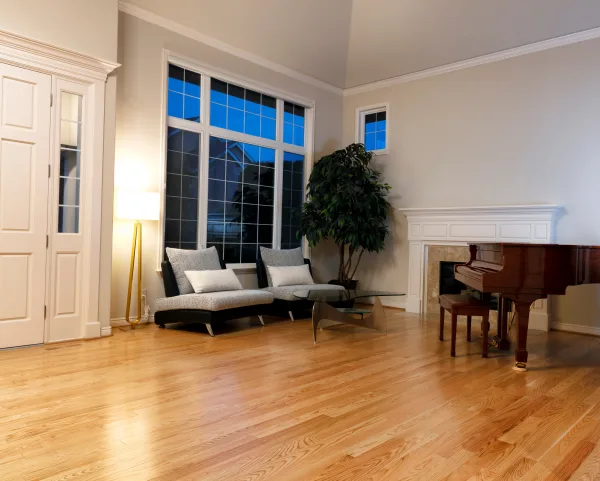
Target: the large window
(235, 165)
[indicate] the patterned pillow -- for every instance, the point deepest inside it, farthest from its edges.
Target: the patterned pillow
(185, 260)
(281, 257)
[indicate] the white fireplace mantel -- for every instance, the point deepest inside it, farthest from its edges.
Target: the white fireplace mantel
(464, 225)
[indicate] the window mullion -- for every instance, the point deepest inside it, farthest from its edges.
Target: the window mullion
(185, 124)
(204, 161)
(240, 137)
(277, 207)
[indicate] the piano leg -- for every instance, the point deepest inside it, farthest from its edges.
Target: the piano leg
(522, 307)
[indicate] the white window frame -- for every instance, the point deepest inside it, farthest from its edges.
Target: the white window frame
(361, 113)
(206, 130)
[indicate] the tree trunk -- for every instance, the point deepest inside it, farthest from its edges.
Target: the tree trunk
(357, 262)
(341, 269)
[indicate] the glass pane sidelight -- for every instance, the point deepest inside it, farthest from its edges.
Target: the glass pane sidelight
(181, 209)
(292, 199)
(293, 124)
(71, 106)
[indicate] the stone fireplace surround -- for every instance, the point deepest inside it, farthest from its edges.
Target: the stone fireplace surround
(459, 226)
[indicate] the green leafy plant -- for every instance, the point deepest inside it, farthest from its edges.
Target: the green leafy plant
(347, 203)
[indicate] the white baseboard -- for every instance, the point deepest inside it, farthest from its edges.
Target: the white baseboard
(395, 302)
(576, 328)
(392, 302)
(106, 331)
(120, 321)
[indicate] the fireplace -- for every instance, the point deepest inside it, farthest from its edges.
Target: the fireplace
(448, 284)
(458, 226)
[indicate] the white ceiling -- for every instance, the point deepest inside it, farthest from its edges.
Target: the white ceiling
(352, 42)
(396, 37)
(310, 36)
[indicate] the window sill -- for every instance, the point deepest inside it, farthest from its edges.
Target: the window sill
(249, 268)
(380, 152)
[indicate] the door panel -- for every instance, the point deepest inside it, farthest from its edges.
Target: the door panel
(24, 158)
(68, 294)
(18, 103)
(16, 159)
(15, 286)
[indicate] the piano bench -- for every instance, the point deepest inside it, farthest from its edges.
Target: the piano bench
(460, 305)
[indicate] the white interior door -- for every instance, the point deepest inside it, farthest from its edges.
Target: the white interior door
(24, 160)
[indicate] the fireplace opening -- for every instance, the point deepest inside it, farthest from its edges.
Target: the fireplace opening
(449, 285)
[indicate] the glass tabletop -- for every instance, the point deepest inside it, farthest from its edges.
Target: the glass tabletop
(340, 296)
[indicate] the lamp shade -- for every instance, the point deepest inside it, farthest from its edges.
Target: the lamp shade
(138, 205)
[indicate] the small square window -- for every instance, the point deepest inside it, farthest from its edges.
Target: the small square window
(373, 128)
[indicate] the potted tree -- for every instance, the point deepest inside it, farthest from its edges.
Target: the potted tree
(346, 202)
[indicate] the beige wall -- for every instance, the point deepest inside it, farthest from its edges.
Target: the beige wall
(86, 26)
(139, 124)
(524, 130)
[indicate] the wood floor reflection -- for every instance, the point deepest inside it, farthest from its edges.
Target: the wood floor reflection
(263, 403)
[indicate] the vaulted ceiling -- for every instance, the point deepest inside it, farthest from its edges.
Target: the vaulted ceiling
(348, 43)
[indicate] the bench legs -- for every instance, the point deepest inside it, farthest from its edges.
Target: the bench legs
(485, 326)
(209, 329)
(453, 342)
(291, 315)
(260, 318)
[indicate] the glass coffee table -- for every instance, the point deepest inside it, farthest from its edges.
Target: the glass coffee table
(338, 306)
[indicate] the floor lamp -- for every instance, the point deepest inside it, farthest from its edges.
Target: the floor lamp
(137, 206)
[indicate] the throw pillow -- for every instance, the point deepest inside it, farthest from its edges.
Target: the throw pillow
(185, 260)
(213, 281)
(290, 275)
(281, 257)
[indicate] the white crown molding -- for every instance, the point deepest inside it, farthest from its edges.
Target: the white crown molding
(45, 57)
(482, 60)
(173, 26)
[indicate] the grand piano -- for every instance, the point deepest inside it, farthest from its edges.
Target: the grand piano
(524, 273)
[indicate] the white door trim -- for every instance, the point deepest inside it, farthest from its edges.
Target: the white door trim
(91, 73)
(43, 57)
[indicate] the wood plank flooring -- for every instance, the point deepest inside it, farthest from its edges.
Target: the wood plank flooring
(263, 403)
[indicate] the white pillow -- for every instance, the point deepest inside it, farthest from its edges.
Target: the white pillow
(213, 281)
(290, 275)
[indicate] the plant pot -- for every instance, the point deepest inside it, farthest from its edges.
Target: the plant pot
(350, 285)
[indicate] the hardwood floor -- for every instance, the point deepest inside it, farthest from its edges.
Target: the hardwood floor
(265, 404)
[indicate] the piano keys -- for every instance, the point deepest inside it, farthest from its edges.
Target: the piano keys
(525, 273)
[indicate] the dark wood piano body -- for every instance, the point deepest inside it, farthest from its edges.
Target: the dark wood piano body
(525, 273)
